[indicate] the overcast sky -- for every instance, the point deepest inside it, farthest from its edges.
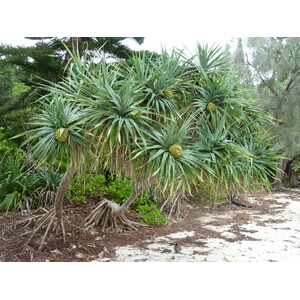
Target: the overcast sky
(151, 43)
(167, 23)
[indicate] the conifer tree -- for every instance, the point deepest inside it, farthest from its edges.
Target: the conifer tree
(46, 60)
(240, 65)
(275, 65)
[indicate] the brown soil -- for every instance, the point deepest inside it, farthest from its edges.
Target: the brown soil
(88, 246)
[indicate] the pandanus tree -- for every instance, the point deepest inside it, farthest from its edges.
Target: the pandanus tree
(59, 135)
(128, 112)
(179, 124)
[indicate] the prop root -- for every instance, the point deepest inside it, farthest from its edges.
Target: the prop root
(103, 216)
(47, 222)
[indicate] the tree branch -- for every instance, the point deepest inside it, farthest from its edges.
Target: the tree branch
(118, 210)
(293, 78)
(273, 91)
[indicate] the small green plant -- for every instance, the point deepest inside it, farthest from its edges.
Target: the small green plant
(78, 198)
(17, 184)
(49, 179)
(11, 201)
(85, 185)
(119, 189)
(151, 214)
(296, 165)
(6, 146)
(23, 187)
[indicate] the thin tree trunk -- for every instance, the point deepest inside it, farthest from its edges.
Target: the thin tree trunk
(65, 183)
(63, 186)
(277, 183)
(292, 175)
(59, 199)
(293, 178)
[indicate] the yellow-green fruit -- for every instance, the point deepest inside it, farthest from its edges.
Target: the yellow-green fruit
(168, 94)
(175, 150)
(211, 106)
(136, 115)
(61, 134)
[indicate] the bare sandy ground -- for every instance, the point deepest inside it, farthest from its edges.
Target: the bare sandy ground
(242, 235)
(269, 231)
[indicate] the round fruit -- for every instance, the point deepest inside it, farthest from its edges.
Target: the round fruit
(61, 134)
(175, 150)
(167, 94)
(211, 107)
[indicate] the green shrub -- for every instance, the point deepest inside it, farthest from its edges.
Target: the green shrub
(296, 165)
(7, 146)
(118, 190)
(151, 214)
(17, 184)
(22, 187)
(47, 186)
(49, 179)
(84, 185)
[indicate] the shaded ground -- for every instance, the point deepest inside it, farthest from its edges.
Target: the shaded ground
(269, 231)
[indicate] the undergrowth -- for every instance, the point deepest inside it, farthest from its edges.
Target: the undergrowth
(85, 186)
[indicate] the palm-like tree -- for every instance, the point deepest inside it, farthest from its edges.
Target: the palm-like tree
(228, 126)
(118, 120)
(139, 121)
(163, 80)
(58, 135)
(152, 119)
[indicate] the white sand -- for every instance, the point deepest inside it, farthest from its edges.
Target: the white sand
(277, 241)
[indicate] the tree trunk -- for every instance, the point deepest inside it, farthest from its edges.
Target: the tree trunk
(63, 186)
(292, 178)
(277, 183)
(292, 175)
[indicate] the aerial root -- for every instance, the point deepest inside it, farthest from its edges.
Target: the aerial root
(30, 220)
(174, 202)
(47, 222)
(102, 216)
